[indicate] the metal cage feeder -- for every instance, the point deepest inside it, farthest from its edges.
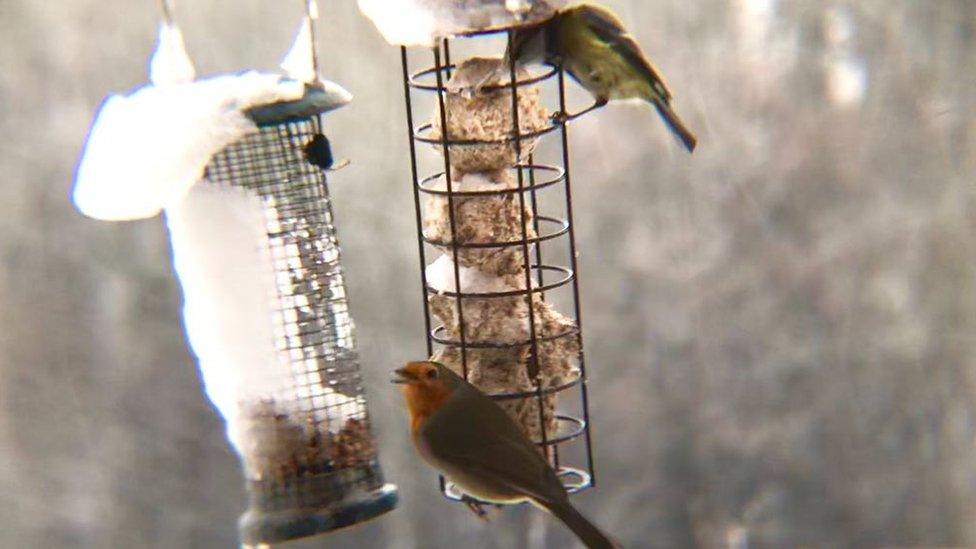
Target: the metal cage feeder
(489, 307)
(295, 407)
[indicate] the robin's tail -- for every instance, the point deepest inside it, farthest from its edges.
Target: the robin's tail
(586, 531)
(671, 118)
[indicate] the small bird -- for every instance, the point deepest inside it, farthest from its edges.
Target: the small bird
(318, 152)
(597, 51)
(468, 437)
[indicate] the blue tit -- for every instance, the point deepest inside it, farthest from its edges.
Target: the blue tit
(593, 46)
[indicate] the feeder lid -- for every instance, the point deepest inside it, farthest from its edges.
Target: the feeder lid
(320, 97)
(423, 22)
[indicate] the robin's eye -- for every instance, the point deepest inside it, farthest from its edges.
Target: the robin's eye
(431, 374)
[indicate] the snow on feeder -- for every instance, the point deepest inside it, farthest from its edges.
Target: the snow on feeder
(494, 224)
(239, 163)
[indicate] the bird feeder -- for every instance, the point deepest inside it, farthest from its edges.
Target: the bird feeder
(255, 247)
(499, 272)
(238, 163)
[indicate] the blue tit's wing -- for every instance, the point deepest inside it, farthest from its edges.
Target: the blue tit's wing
(605, 25)
(528, 46)
(472, 439)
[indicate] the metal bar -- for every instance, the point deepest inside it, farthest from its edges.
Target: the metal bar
(450, 209)
(533, 364)
(535, 224)
(447, 58)
(414, 183)
(167, 7)
(312, 14)
(575, 267)
(416, 198)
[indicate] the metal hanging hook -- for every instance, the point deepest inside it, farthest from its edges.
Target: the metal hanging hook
(167, 8)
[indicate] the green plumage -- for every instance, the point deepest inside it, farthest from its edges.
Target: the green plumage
(596, 50)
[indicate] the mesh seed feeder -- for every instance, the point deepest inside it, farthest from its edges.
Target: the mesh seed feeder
(299, 417)
(265, 307)
(494, 223)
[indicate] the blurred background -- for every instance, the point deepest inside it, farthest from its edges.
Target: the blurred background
(780, 329)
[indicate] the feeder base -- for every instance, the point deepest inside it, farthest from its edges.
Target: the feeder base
(259, 528)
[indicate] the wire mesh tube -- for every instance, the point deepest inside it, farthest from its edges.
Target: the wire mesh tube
(487, 242)
(266, 314)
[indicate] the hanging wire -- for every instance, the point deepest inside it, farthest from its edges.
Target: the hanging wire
(167, 8)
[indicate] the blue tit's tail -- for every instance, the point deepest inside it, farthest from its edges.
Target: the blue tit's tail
(678, 127)
(586, 531)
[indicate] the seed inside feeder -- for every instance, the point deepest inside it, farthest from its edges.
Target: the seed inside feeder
(276, 444)
(504, 321)
(479, 108)
(487, 116)
(480, 219)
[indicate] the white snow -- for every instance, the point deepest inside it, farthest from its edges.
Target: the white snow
(440, 276)
(298, 63)
(326, 404)
(423, 22)
(401, 22)
(313, 9)
(222, 258)
(170, 63)
(231, 308)
(146, 150)
(469, 182)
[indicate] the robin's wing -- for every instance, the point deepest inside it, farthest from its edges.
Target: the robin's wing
(611, 31)
(471, 432)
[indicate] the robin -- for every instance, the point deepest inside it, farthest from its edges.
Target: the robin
(471, 440)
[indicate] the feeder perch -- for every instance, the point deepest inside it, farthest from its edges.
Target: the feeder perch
(495, 237)
(255, 248)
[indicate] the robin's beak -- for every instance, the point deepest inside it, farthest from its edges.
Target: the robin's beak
(402, 376)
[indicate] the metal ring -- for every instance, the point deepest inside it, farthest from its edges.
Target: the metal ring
(435, 335)
(567, 277)
(419, 132)
(501, 29)
(560, 174)
(418, 84)
(561, 224)
(552, 70)
(574, 428)
(533, 393)
(566, 476)
(584, 482)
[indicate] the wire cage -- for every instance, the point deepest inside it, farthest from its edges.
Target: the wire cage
(501, 299)
(287, 381)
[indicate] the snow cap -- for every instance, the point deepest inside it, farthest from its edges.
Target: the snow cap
(423, 22)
